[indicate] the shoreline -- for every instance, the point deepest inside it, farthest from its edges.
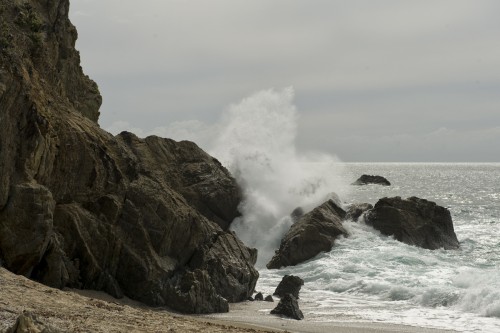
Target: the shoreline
(88, 310)
(257, 315)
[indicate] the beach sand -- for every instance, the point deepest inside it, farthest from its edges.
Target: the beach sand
(91, 311)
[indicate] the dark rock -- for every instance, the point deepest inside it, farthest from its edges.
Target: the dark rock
(297, 214)
(250, 298)
(259, 297)
(269, 298)
(314, 233)
(194, 293)
(288, 307)
(368, 179)
(27, 322)
(414, 221)
(290, 284)
(354, 211)
(82, 208)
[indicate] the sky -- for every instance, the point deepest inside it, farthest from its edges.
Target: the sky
(373, 81)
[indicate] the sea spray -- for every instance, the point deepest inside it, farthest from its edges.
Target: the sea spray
(257, 143)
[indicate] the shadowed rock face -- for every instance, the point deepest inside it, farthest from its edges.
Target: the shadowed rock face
(414, 221)
(82, 208)
(288, 307)
(313, 233)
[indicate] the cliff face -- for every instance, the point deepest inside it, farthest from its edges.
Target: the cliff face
(79, 207)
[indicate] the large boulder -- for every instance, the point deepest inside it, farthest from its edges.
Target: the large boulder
(82, 208)
(289, 284)
(369, 179)
(313, 233)
(288, 307)
(414, 221)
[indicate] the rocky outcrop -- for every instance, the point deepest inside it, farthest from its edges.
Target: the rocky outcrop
(355, 211)
(289, 284)
(368, 179)
(145, 218)
(414, 221)
(288, 307)
(315, 232)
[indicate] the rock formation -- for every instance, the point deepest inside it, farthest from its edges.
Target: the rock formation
(313, 233)
(368, 179)
(289, 284)
(145, 218)
(288, 307)
(354, 211)
(414, 221)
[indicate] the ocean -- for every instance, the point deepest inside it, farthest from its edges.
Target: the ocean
(371, 277)
(367, 276)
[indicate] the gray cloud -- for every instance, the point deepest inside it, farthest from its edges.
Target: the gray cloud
(367, 74)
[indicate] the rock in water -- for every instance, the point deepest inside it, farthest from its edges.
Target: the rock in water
(290, 284)
(355, 211)
(313, 233)
(82, 208)
(269, 298)
(259, 297)
(414, 221)
(288, 307)
(368, 179)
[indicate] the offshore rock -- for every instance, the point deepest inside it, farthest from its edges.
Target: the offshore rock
(368, 179)
(414, 221)
(289, 284)
(313, 233)
(288, 307)
(82, 208)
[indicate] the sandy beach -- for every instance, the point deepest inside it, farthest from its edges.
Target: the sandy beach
(90, 311)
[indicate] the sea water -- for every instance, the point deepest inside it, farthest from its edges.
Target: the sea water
(368, 276)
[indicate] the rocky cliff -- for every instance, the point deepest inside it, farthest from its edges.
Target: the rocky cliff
(146, 218)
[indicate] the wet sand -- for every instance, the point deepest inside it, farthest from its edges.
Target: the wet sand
(91, 311)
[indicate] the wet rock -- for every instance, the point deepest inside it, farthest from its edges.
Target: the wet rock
(289, 284)
(355, 211)
(194, 293)
(414, 221)
(368, 179)
(288, 307)
(297, 214)
(259, 297)
(269, 298)
(314, 233)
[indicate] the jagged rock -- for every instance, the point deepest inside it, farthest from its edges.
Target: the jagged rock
(28, 323)
(269, 298)
(289, 284)
(259, 297)
(414, 221)
(315, 232)
(355, 211)
(82, 208)
(194, 293)
(297, 214)
(288, 307)
(368, 179)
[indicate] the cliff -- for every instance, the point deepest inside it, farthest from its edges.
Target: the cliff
(145, 218)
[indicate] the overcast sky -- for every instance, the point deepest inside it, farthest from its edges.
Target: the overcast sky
(374, 80)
